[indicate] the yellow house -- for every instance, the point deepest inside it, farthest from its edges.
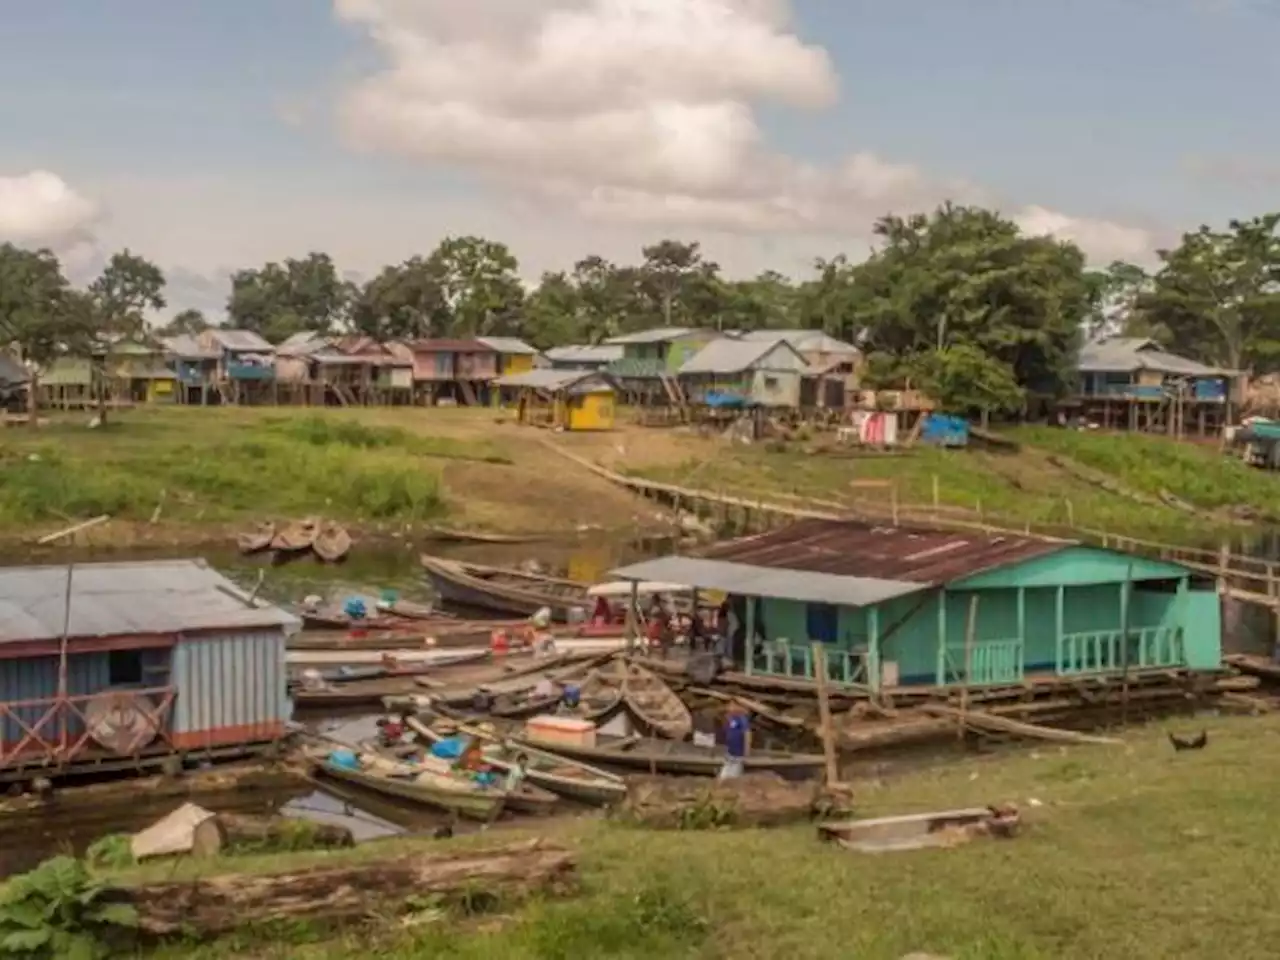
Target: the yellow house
(561, 399)
(514, 355)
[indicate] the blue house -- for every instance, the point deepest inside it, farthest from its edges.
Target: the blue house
(120, 665)
(891, 605)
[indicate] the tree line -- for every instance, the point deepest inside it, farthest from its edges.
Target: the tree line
(959, 296)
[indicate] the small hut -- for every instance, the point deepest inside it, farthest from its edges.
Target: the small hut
(561, 399)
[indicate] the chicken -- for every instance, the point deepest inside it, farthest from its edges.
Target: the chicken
(1198, 743)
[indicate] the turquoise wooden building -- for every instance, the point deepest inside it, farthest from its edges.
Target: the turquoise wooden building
(891, 606)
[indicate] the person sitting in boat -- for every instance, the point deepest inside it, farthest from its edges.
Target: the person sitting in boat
(602, 615)
(570, 698)
(390, 731)
(482, 700)
(472, 758)
(516, 773)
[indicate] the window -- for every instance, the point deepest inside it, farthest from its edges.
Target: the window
(771, 383)
(124, 667)
(823, 622)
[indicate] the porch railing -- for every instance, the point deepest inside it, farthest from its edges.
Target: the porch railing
(990, 662)
(794, 660)
(1103, 651)
(59, 730)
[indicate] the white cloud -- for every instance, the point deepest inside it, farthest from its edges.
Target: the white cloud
(40, 209)
(640, 112)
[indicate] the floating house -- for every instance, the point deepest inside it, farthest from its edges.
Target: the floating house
(891, 606)
(652, 358)
(195, 368)
(138, 371)
(117, 665)
(759, 373)
(561, 399)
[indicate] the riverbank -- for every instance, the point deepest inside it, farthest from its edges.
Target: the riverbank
(1128, 850)
(192, 477)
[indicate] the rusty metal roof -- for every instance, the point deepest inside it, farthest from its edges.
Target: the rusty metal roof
(852, 549)
(116, 599)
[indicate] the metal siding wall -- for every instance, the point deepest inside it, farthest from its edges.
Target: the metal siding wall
(230, 681)
(36, 678)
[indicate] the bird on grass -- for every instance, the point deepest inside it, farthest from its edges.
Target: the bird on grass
(1196, 743)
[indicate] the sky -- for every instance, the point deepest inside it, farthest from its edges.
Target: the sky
(210, 135)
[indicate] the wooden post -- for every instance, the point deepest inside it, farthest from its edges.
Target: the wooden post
(893, 502)
(937, 498)
(824, 714)
(633, 604)
(1224, 567)
(970, 628)
(62, 667)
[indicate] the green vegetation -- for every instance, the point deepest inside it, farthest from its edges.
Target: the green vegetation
(60, 910)
(1011, 488)
(208, 467)
(1131, 851)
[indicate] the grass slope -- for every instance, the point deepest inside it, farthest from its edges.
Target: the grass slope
(1014, 487)
(1133, 851)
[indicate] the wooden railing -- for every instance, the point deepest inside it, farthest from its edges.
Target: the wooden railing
(59, 730)
(990, 662)
(784, 658)
(1103, 650)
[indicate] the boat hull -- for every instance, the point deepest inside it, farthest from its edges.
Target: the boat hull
(455, 585)
(474, 805)
(685, 763)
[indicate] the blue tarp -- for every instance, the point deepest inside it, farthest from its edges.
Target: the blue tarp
(346, 759)
(715, 399)
(942, 430)
(449, 749)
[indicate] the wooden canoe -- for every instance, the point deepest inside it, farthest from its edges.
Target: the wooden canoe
(600, 695)
(295, 537)
(370, 690)
(503, 590)
(560, 775)
(453, 795)
(678, 757)
(256, 540)
(450, 535)
(331, 543)
(655, 705)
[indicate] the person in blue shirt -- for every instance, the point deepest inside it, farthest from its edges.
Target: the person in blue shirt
(737, 734)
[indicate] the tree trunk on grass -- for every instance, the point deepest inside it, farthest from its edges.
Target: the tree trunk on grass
(351, 892)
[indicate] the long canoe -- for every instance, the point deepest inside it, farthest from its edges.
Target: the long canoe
(655, 704)
(677, 757)
(561, 775)
(503, 590)
(443, 792)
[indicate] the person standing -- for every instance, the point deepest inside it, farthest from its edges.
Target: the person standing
(737, 736)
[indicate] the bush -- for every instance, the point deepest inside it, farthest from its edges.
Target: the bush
(58, 910)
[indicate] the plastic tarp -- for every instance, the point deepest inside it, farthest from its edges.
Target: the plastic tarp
(717, 399)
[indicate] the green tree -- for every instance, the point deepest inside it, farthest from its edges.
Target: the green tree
(189, 321)
(1115, 293)
(40, 313)
(610, 299)
(831, 301)
(553, 313)
(481, 286)
(964, 275)
(404, 302)
(281, 299)
(1216, 297)
(122, 294)
(964, 380)
(681, 285)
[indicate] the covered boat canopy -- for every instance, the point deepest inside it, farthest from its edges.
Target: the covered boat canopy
(622, 588)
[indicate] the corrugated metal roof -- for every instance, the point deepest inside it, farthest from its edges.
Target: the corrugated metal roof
(303, 344)
(1129, 354)
(543, 378)
(728, 355)
(11, 371)
(114, 599)
(601, 353)
(186, 346)
(653, 335)
(240, 340)
(855, 549)
(805, 341)
(450, 346)
(511, 345)
(754, 581)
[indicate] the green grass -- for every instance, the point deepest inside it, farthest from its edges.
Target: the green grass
(207, 467)
(1006, 488)
(1130, 851)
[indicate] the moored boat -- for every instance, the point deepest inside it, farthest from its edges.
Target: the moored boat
(655, 705)
(331, 543)
(503, 590)
(294, 537)
(440, 790)
(560, 775)
(257, 540)
(677, 757)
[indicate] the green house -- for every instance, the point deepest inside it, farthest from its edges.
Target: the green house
(659, 352)
(891, 606)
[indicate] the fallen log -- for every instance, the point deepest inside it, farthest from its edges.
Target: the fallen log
(281, 833)
(979, 720)
(351, 892)
(695, 803)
